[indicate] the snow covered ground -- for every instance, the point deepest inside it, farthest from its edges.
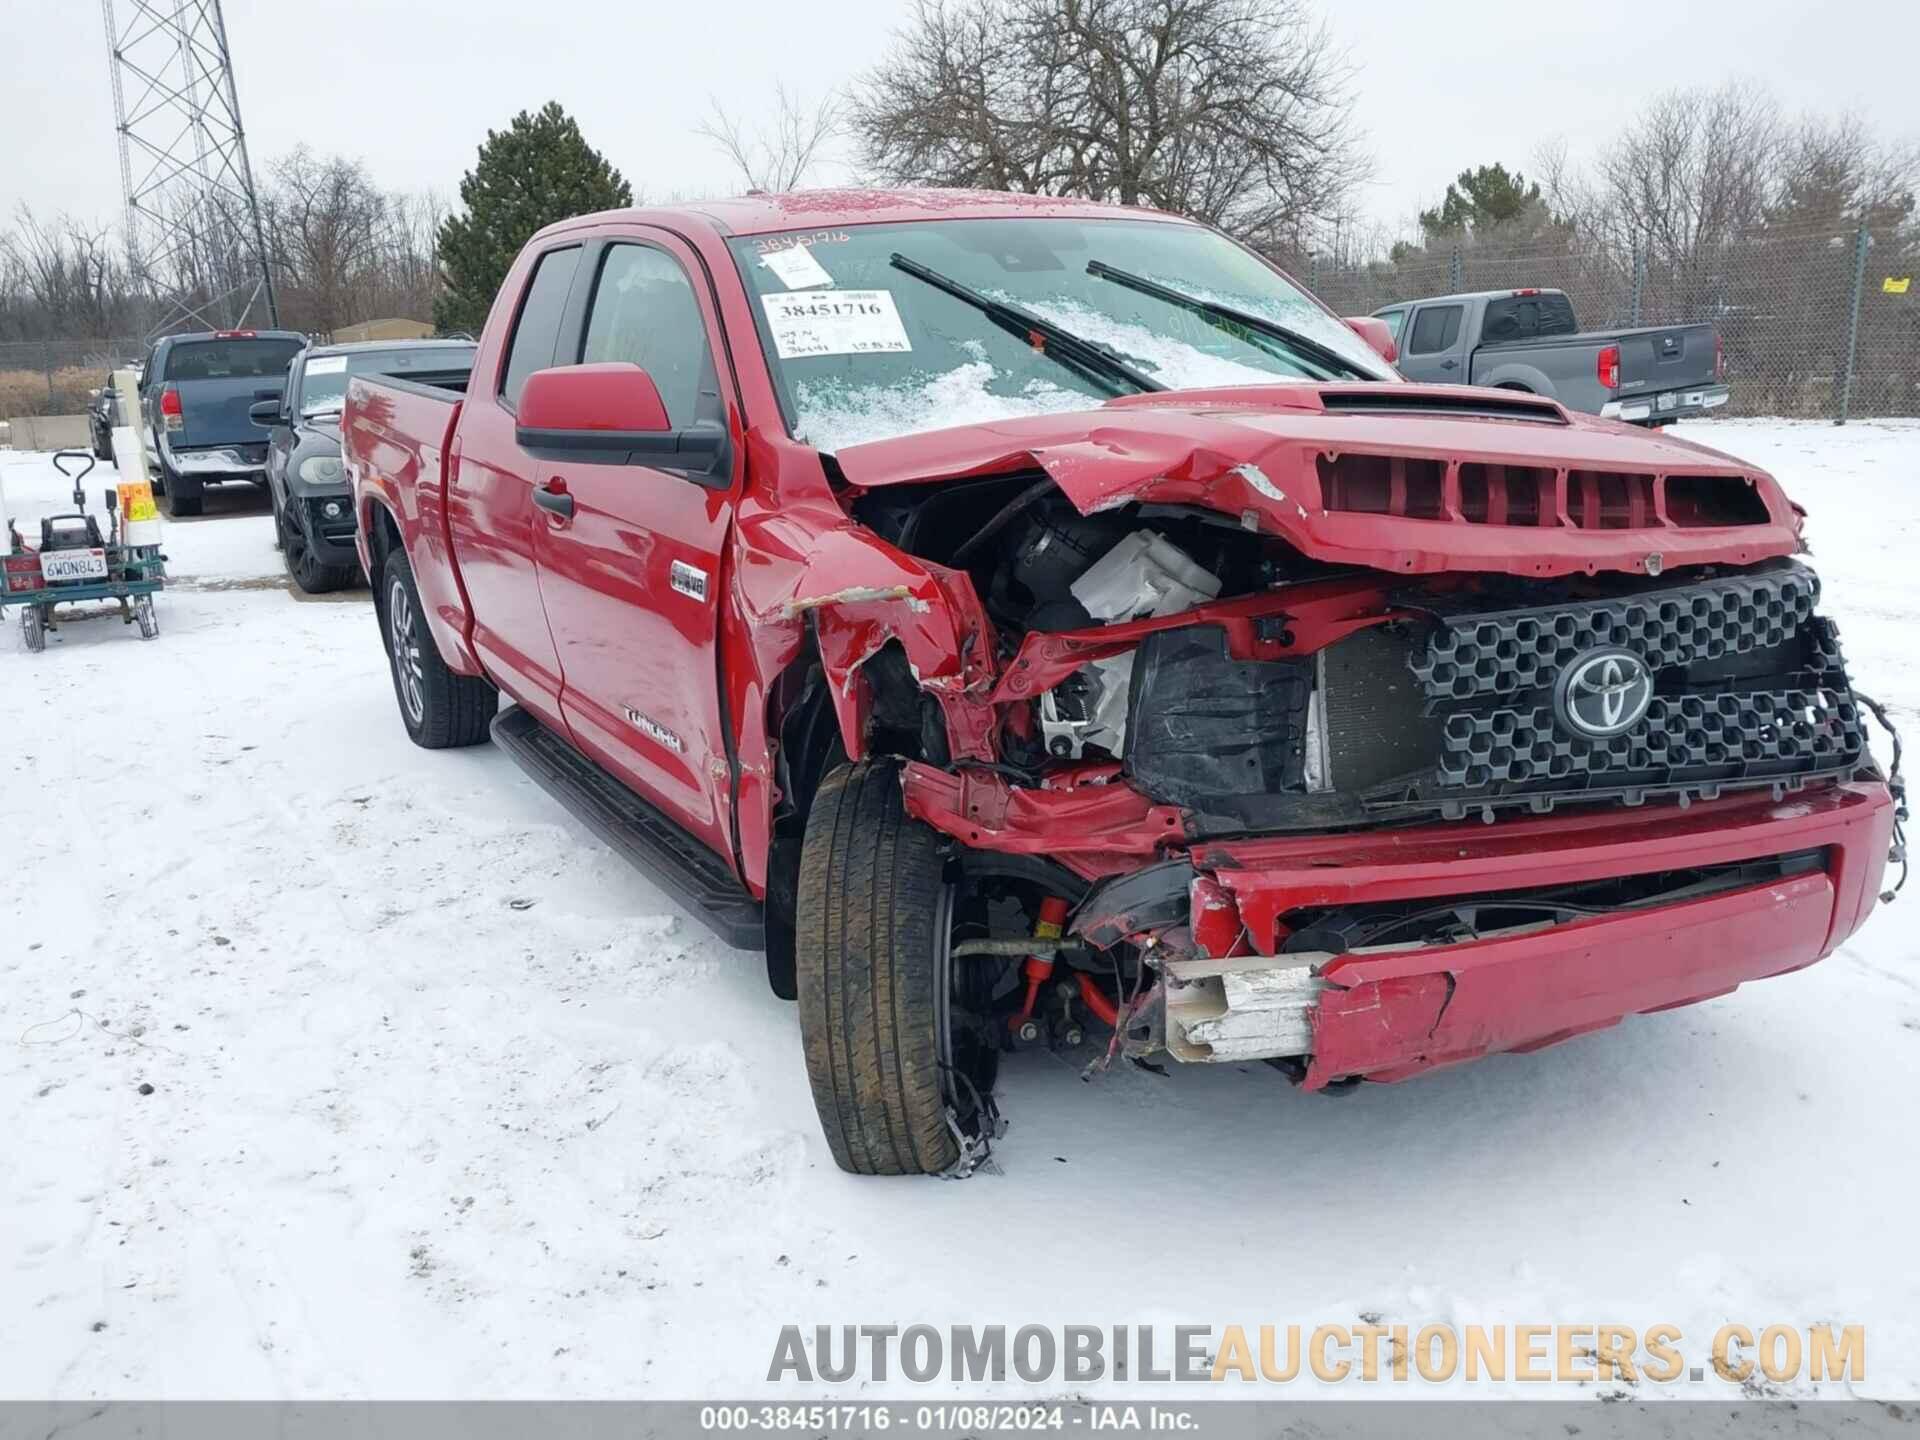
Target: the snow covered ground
(446, 1101)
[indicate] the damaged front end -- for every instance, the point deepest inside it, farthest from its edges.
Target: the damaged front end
(1348, 731)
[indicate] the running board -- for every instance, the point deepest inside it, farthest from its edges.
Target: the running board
(676, 862)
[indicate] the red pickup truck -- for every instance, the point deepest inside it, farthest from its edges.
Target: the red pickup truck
(1035, 622)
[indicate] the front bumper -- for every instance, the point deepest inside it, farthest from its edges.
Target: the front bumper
(1389, 1013)
(1683, 404)
(332, 537)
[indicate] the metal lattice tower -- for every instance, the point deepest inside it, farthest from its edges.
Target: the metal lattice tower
(192, 216)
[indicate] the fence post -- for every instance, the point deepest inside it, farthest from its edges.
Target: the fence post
(1860, 243)
(1639, 283)
(1454, 276)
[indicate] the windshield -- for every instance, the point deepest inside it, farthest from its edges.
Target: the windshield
(324, 385)
(863, 350)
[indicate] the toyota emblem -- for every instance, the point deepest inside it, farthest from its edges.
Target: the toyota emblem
(1603, 693)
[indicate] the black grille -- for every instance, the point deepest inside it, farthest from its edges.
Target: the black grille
(1513, 651)
(1729, 736)
(1749, 687)
(1454, 713)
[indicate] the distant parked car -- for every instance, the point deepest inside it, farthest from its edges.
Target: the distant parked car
(103, 413)
(1529, 340)
(312, 499)
(196, 392)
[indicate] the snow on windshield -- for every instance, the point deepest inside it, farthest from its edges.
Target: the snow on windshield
(834, 415)
(1175, 363)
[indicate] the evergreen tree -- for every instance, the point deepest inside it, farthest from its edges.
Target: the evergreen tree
(538, 170)
(1482, 197)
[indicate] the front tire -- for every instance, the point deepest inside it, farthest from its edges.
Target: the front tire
(308, 571)
(440, 709)
(872, 940)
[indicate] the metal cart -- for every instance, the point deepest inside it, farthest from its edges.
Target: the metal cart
(74, 562)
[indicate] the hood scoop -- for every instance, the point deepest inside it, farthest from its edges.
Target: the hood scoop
(1468, 404)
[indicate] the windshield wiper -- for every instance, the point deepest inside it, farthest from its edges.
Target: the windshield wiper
(1227, 317)
(1098, 363)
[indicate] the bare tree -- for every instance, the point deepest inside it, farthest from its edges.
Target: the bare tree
(778, 155)
(1236, 112)
(1696, 168)
(67, 274)
(1835, 172)
(328, 225)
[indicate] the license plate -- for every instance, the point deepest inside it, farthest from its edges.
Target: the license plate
(74, 565)
(1667, 401)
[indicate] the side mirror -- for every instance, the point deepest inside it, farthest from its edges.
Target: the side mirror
(265, 412)
(612, 414)
(1373, 330)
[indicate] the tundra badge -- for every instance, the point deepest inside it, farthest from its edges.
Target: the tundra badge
(654, 730)
(689, 581)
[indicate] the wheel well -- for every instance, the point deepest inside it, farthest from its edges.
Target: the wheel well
(1514, 385)
(901, 721)
(383, 536)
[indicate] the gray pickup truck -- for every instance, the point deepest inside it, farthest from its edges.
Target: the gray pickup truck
(1528, 340)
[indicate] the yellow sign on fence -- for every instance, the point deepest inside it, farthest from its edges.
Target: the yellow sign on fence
(1896, 287)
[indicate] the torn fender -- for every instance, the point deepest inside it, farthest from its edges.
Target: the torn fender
(859, 594)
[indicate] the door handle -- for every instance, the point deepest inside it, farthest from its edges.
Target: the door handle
(553, 498)
(1449, 364)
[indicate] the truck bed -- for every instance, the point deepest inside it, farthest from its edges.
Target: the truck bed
(1671, 361)
(395, 436)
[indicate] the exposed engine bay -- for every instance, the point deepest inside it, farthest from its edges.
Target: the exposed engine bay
(1442, 697)
(1173, 656)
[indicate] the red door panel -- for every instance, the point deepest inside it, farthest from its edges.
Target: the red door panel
(642, 694)
(631, 579)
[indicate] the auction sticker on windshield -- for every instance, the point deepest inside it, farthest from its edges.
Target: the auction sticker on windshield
(835, 322)
(797, 268)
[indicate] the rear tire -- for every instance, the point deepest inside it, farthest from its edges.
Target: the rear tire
(440, 709)
(33, 627)
(184, 497)
(871, 940)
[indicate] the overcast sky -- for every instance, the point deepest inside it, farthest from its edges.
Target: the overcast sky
(411, 86)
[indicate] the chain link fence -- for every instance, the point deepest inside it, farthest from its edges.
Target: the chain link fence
(53, 377)
(1815, 321)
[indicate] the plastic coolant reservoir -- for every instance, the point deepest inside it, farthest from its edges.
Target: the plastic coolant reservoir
(1145, 574)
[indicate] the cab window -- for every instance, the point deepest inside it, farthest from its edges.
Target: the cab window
(645, 312)
(1435, 328)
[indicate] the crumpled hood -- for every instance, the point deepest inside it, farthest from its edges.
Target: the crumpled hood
(1268, 454)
